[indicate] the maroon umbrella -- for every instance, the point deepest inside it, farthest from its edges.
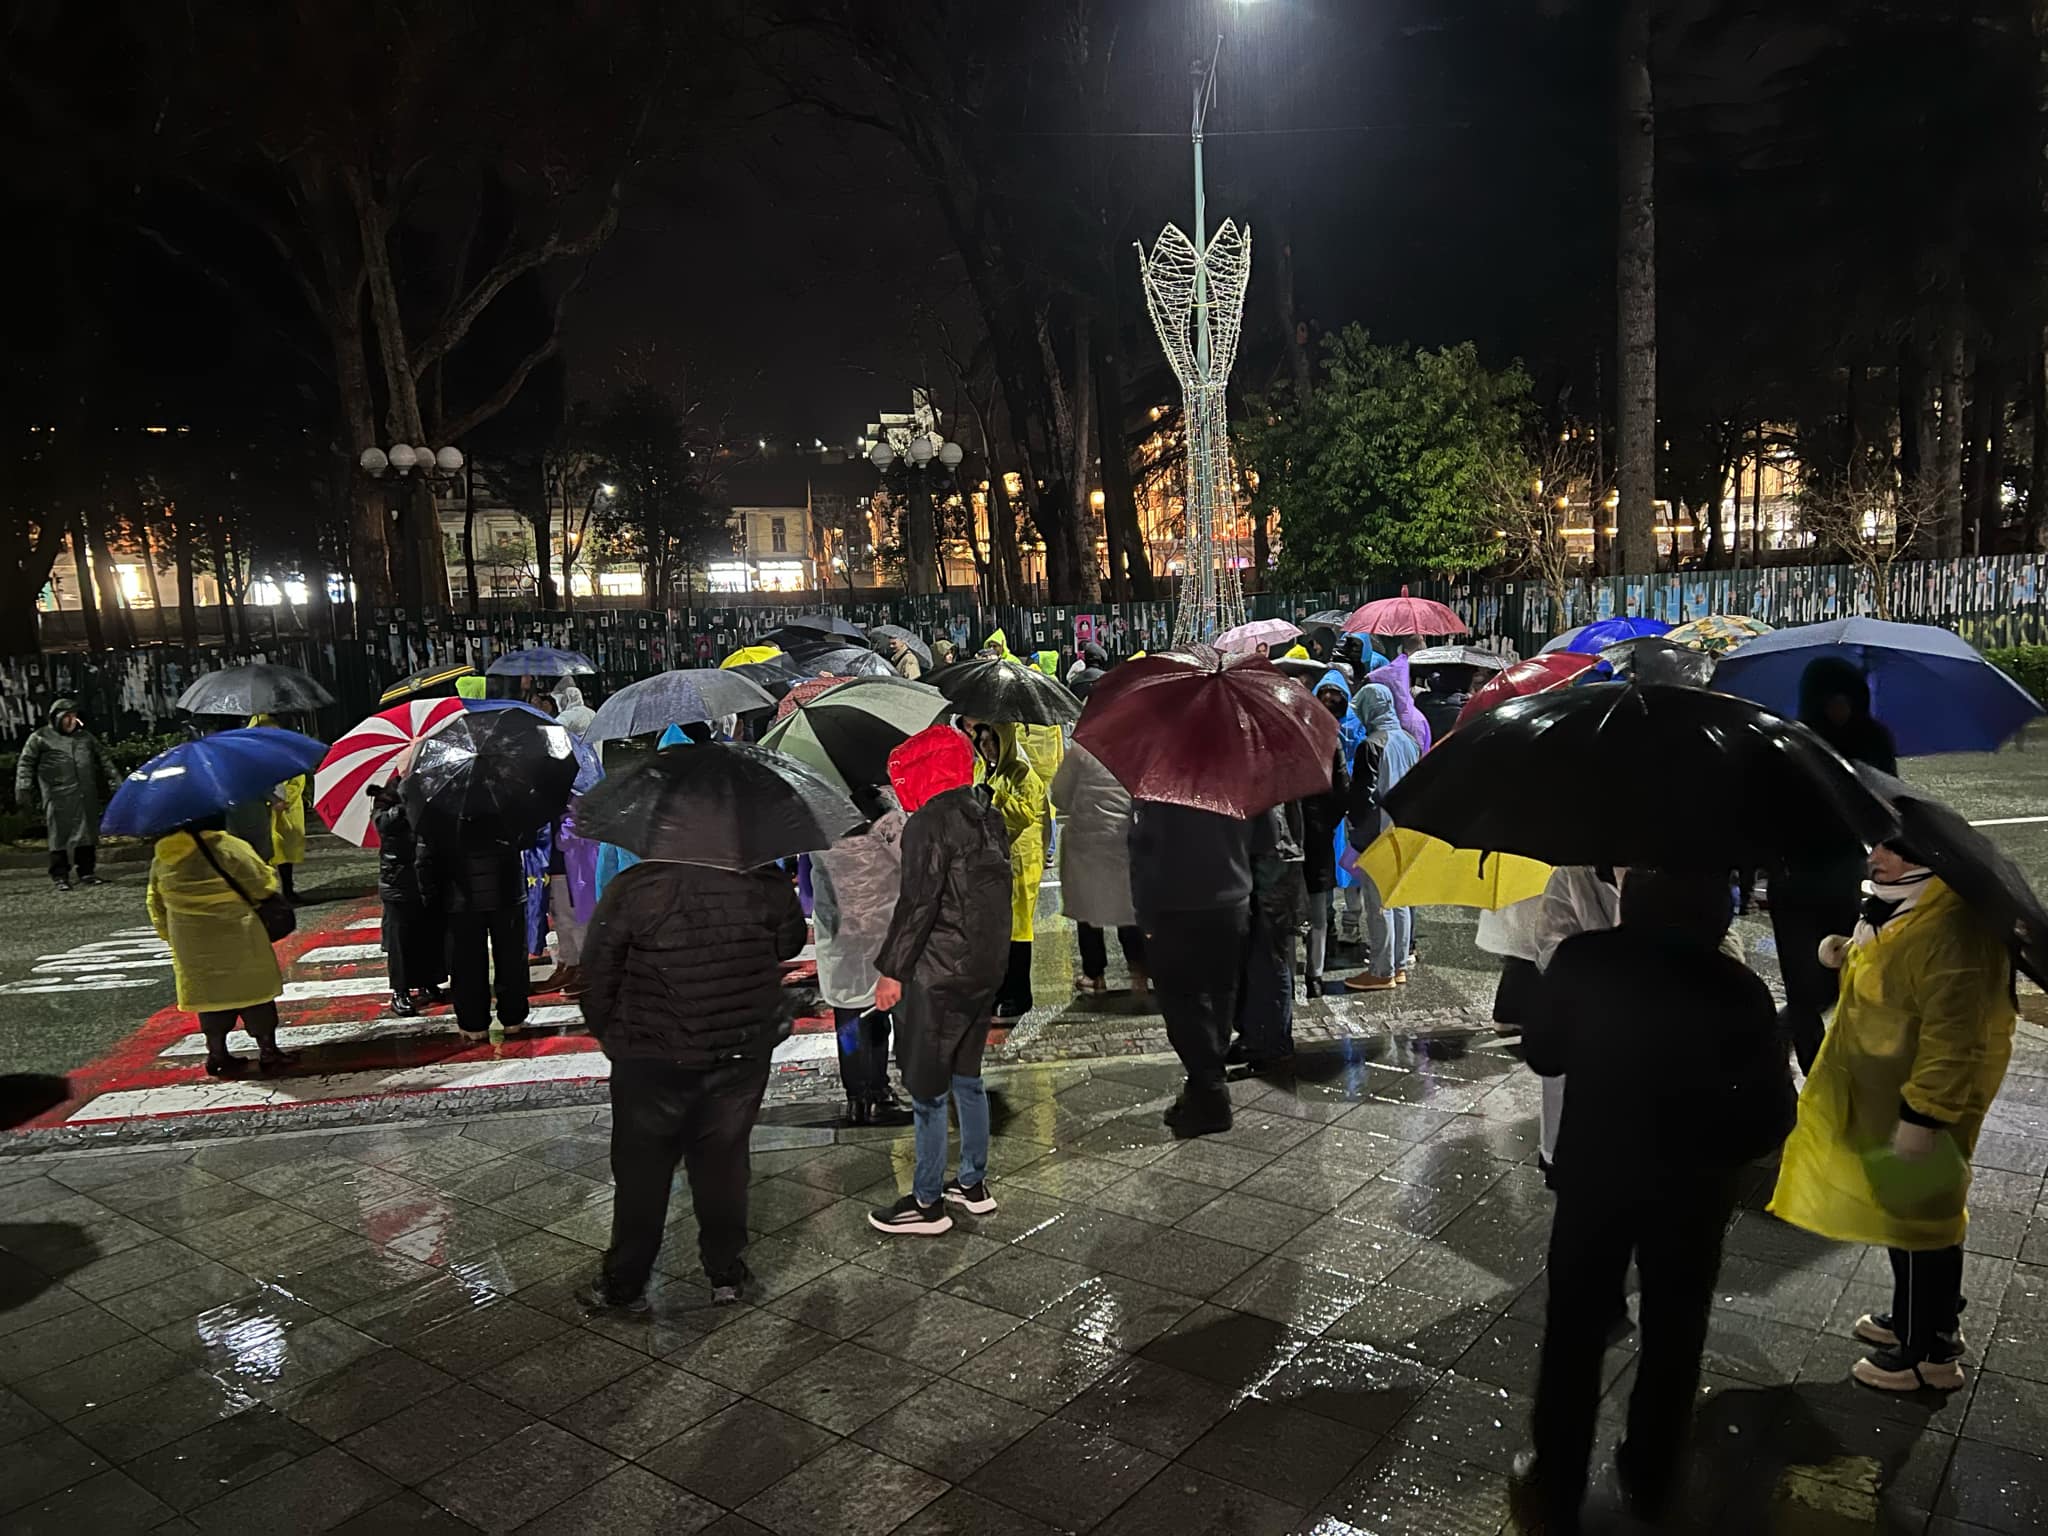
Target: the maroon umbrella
(1539, 674)
(1230, 734)
(1404, 615)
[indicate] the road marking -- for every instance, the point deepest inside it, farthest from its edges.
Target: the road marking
(2010, 821)
(362, 986)
(364, 924)
(332, 954)
(434, 1027)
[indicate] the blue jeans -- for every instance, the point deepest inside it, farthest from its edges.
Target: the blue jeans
(1389, 932)
(927, 1183)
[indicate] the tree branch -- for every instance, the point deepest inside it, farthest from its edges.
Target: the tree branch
(239, 292)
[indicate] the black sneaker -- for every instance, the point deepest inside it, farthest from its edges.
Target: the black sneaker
(975, 1197)
(600, 1297)
(404, 1006)
(1893, 1370)
(906, 1215)
(728, 1292)
(60, 882)
(90, 880)
(1877, 1328)
(1185, 1120)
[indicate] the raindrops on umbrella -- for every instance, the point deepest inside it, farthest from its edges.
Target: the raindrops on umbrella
(727, 805)
(541, 661)
(259, 688)
(495, 774)
(1001, 690)
(197, 779)
(677, 698)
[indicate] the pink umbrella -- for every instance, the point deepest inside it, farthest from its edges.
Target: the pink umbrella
(1271, 633)
(367, 758)
(1404, 615)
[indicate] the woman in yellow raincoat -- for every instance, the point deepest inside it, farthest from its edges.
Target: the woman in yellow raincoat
(287, 822)
(1018, 795)
(202, 886)
(1890, 1114)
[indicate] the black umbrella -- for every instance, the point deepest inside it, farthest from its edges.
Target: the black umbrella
(1970, 864)
(1306, 671)
(827, 624)
(1653, 659)
(844, 661)
(1640, 774)
(1333, 618)
(1003, 690)
(675, 698)
(882, 634)
(254, 690)
(726, 805)
(776, 676)
(802, 641)
(441, 676)
(496, 773)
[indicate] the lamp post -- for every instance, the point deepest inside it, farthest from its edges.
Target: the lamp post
(411, 477)
(922, 459)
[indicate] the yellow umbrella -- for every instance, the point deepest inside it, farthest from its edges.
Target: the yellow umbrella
(1718, 632)
(1413, 869)
(747, 653)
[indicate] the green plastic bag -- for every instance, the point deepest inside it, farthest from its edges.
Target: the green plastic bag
(1906, 1185)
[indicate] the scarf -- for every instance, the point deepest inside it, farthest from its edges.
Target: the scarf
(1885, 900)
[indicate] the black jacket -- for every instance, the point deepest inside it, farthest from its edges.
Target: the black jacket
(1321, 816)
(457, 878)
(1185, 860)
(1860, 738)
(1671, 1055)
(684, 964)
(397, 878)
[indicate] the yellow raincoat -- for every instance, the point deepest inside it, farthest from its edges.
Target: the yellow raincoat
(1925, 1017)
(1019, 797)
(219, 952)
(287, 813)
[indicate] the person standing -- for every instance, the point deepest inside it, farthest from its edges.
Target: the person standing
(1018, 795)
(68, 771)
(1322, 826)
(853, 895)
(1095, 868)
(415, 938)
(287, 821)
(941, 962)
(1676, 1080)
(1265, 1003)
(683, 990)
(1892, 1108)
(1382, 760)
(570, 709)
(904, 659)
(481, 890)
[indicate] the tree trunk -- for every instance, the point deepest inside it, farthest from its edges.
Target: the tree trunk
(113, 601)
(1088, 568)
(156, 593)
(2037, 476)
(1756, 504)
(1948, 465)
(1130, 570)
(88, 599)
(1636, 285)
(188, 582)
(920, 536)
(218, 540)
(1002, 520)
(541, 515)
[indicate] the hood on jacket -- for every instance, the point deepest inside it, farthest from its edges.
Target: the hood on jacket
(936, 759)
(998, 642)
(263, 717)
(568, 696)
(942, 650)
(1047, 662)
(1094, 655)
(1395, 678)
(1010, 740)
(471, 687)
(59, 708)
(674, 736)
(1295, 653)
(1832, 677)
(1375, 705)
(1334, 680)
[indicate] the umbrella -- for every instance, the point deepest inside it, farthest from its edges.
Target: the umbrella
(806, 689)
(751, 653)
(1333, 618)
(496, 773)
(540, 661)
(1306, 671)
(1413, 869)
(427, 677)
(1219, 733)
(254, 690)
(773, 676)
(727, 805)
(1404, 615)
(1539, 674)
(882, 634)
(1930, 686)
(1971, 865)
(1457, 656)
(1249, 637)
(1517, 781)
(1654, 659)
(1006, 690)
(675, 698)
(845, 661)
(826, 624)
(196, 779)
(848, 733)
(1592, 639)
(368, 757)
(1718, 632)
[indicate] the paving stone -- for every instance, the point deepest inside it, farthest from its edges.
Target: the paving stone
(1279, 1450)
(947, 1428)
(44, 1463)
(559, 1370)
(1069, 1476)
(228, 1452)
(848, 1491)
(434, 1433)
(734, 1455)
(506, 1485)
(960, 1513)
(643, 1409)
(631, 1499)
(103, 1505)
(317, 1494)
(845, 1387)
(754, 1351)
(1039, 1367)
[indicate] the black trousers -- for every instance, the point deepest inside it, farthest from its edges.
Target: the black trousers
(664, 1114)
(863, 1051)
(1807, 905)
(477, 941)
(415, 946)
(1927, 1298)
(1014, 997)
(1675, 1237)
(86, 855)
(259, 1019)
(1095, 949)
(1197, 959)
(1265, 998)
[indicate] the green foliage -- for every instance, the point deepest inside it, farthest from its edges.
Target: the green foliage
(1395, 466)
(2026, 665)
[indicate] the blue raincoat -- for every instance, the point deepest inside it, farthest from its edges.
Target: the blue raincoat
(1350, 732)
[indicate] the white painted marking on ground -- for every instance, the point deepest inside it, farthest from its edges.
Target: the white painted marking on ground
(438, 1026)
(361, 986)
(333, 954)
(808, 952)
(365, 924)
(2010, 821)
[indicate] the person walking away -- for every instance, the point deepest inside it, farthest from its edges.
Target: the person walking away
(1810, 901)
(1265, 1003)
(1018, 795)
(1677, 1080)
(941, 962)
(1334, 692)
(204, 886)
(570, 709)
(415, 937)
(1891, 1110)
(1191, 885)
(481, 890)
(1576, 899)
(1095, 868)
(683, 990)
(1382, 760)
(904, 659)
(67, 770)
(1322, 830)
(853, 894)
(287, 821)
(572, 881)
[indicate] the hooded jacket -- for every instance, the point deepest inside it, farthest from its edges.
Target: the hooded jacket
(457, 877)
(287, 812)
(1095, 842)
(853, 889)
(1187, 860)
(1395, 679)
(69, 776)
(219, 952)
(570, 709)
(397, 878)
(1018, 795)
(1860, 738)
(1382, 760)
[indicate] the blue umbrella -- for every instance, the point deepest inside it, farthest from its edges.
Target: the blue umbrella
(1929, 685)
(540, 661)
(677, 698)
(202, 778)
(1592, 639)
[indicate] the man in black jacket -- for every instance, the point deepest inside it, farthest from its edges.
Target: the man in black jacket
(683, 989)
(415, 946)
(480, 889)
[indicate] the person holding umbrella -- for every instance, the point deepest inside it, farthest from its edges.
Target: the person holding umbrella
(1382, 760)
(854, 885)
(287, 821)
(570, 709)
(415, 934)
(67, 770)
(480, 888)
(1018, 795)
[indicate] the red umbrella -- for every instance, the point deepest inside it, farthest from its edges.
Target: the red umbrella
(1539, 674)
(1229, 734)
(1404, 615)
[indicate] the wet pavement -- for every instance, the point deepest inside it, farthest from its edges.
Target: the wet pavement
(1325, 1321)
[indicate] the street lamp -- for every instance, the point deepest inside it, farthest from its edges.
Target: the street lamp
(924, 463)
(402, 460)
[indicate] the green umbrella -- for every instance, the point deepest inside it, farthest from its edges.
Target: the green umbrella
(847, 734)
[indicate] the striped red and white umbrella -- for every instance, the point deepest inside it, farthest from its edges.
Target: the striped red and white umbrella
(367, 758)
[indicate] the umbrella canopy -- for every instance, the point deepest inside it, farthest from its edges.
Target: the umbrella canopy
(1457, 656)
(257, 689)
(367, 758)
(882, 634)
(1275, 633)
(847, 733)
(1304, 670)
(845, 661)
(774, 675)
(1592, 639)
(443, 675)
(805, 690)
(196, 779)
(1515, 781)
(1539, 674)
(1334, 618)
(1413, 869)
(1971, 865)
(727, 805)
(999, 689)
(1930, 686)
(827, 624)
(496, 773)
(1404, 615)
(1220, 733)
(751, 653)
(676, 698)
(1718, 632)
(1654, 659)
(540, 661)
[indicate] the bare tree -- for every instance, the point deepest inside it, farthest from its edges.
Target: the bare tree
(1565, 477)
(1872, 522)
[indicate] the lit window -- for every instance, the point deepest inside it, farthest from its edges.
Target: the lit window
(778, 535)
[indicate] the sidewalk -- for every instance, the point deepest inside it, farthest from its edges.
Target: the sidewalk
(1325, 1321)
